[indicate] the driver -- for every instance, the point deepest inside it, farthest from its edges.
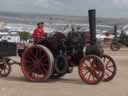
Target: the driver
(39, 32)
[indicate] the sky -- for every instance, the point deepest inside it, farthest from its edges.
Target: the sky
(105, 8)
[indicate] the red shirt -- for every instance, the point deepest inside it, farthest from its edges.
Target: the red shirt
(38, 33)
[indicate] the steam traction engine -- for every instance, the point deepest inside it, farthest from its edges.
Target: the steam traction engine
(56, 55)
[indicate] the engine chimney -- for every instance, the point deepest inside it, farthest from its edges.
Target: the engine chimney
(92, 25)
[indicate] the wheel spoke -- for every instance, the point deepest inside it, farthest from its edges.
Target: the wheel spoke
(109, 66)
(110, 70)
(90, 61)
(93, 78)
(44, 65)
(31, 54)
(95, 75)
(108, 62)
(3, 72)
(40, 52)
(103, 59)
(86, 73)
(85, 64)
(107, 74)
(89, 76)
(44, 60)
(94, 72)
(44, 70)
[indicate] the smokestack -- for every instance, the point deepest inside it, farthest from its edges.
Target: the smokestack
(92, 25)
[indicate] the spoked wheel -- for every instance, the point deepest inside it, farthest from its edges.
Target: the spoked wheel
(115, 46)
(110, 68)
(5, 68)
(37, 63)
(91, 69)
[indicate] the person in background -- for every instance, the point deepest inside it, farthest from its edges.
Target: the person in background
(39, 32)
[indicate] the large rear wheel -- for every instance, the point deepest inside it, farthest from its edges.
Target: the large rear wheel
(37, 63)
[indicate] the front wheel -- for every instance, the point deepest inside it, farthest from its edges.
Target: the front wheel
(91, 69)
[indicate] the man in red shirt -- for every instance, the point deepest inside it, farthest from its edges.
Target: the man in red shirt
(39, 33)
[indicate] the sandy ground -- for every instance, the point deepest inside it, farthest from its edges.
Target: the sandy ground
(70, 84)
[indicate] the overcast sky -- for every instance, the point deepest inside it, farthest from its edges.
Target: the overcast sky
(107, 8)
